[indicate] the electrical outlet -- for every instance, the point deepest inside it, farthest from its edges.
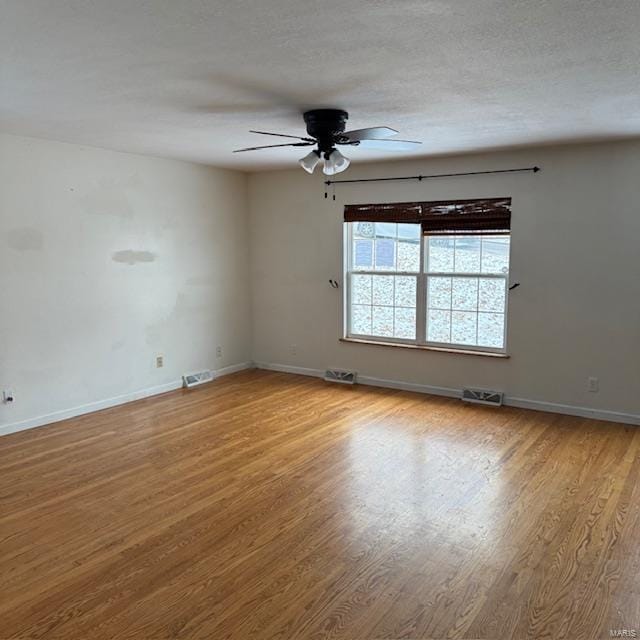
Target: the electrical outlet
(159, 362)
(593, 385)
(294, 349)
(218, 351)
(7, 396)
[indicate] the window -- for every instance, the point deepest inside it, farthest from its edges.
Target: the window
(383, 279)
(407, 284)
(466, 290)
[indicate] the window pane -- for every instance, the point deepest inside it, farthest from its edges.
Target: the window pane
(383, 290)
(405, 323)
(491, 330)
(409, 231)
(441, 251)
(465, 294)
(405, 291)
(463, 327)
(393, 310)
(439, 293)
(492, 294)
(385, 229)
(408, 256)
(467, 258)
(363, 254)
(382, 321)
(495, 255)
(361, 319)
(363, 229)
(361, 289)
(438, 325)
(375, 246)
(385, 254)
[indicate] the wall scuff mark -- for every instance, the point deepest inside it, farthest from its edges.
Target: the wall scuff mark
(131, 257)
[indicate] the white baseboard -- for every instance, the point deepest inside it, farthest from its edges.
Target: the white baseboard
(57, 416)
(522, 403)
(409, 386)
(232, 368)
(285, 368)
(572, 410)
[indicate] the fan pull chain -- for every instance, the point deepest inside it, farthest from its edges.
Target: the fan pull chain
(333, 196)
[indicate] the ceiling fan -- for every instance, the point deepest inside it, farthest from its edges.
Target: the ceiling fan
(326, 129)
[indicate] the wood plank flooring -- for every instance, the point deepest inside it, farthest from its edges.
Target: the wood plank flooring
(266, 505)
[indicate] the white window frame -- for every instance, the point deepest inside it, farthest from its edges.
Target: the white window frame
(421, 299)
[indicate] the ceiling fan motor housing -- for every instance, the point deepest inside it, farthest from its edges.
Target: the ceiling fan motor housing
(325, 125)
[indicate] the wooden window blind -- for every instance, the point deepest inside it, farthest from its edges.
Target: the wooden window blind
(489, 216)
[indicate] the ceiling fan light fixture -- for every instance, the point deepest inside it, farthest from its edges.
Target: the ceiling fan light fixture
(310, 161)
(325, 130)
(335, 162)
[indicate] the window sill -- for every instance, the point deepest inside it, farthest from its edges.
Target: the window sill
(424, 347)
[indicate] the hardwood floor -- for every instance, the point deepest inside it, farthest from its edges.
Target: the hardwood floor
(267, 505)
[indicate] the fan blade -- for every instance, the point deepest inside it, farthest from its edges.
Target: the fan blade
(271, 146)
(281, 135)
(387, 145)
(372, 133)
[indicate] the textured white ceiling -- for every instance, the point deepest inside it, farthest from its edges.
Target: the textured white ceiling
(189, 78)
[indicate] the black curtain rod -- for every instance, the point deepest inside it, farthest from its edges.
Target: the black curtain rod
(436, 175)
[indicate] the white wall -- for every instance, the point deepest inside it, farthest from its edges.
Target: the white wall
(108, 259)
(575, 247)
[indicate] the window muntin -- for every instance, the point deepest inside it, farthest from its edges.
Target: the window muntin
(457, 300)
